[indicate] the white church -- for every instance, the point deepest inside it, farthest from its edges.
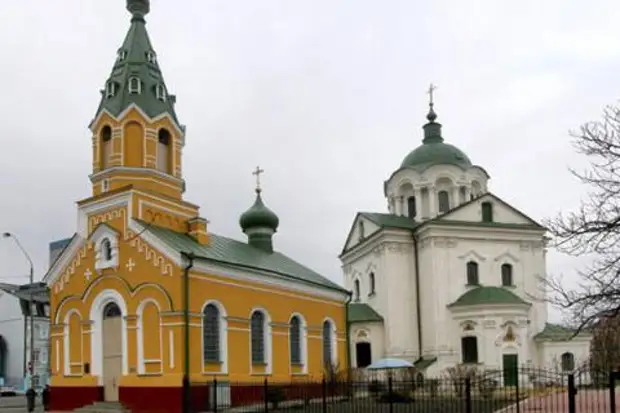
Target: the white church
(451, 273)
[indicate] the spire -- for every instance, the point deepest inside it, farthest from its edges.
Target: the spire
(259, 222)
(432, 130)
(136, 76)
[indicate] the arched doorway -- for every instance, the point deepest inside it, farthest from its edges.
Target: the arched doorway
(363, 354)
(112, 350)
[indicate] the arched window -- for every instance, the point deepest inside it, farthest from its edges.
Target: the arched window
(110, 89)
(472, 273)
(211, 334)
(487, 211)
(469, 349)
(295, 340)
(328, 349)
(411, 207)
(163, 151)
(507, 275)
(151, 57)
(122, 54)
(160, 92)
(257, 326)
(106, 146)
(444, 201)
(135, 85)
(568, 362)
(111, 310)
(361, 230)
(371, 281)
(356, 290)
(3, 357)
(106, 249)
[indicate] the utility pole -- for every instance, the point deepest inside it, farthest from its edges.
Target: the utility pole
(30, 303)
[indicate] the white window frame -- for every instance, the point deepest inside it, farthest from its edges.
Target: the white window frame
(134, 90)
(151, 56)
(105, 185)
(110, 89)
(122, 54)
(160, 92)
(102, 233)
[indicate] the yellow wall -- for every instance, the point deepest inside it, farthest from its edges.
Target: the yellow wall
(134, 145)
(154, 277)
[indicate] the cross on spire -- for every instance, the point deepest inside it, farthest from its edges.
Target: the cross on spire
(431, 89)
(257, 173)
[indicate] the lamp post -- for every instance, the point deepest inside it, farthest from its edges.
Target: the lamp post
(30, 304)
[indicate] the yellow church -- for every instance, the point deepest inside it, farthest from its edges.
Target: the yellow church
(144, 299)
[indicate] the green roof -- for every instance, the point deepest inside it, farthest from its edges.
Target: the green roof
(228, 251)
(259, 216)
(359, 313)
(487, 295)
(137, 58)
(433, 150)
(556, 332)
(390, 220)
(424, 363)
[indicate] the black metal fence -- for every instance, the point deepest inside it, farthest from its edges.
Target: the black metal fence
(519, 391)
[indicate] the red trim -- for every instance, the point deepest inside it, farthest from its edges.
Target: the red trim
(71, 398)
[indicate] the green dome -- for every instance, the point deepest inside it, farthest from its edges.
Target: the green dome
(436, 153)
(433, 150)
(259, 216)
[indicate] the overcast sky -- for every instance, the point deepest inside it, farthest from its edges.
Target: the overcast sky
(327, 96)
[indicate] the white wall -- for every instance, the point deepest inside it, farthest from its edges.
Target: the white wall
(371, 333)
(550, 352)
(12, 329)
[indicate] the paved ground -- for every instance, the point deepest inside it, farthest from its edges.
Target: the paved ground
(16, 404)
(587, 401)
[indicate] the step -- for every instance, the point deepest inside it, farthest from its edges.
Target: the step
(103, 407)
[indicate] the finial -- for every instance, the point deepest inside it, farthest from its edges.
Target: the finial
(431, 112)
(139, 8)
(257, 172)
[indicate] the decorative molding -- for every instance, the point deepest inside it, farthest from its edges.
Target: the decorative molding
(157, 259)
(508, 255)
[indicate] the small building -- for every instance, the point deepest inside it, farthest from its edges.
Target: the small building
(16, 371)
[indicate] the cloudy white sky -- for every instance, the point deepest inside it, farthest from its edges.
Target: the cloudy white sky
(327, 96)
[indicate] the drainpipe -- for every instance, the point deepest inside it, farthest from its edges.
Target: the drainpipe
(348, 330)
(417, 291)
(186, 395)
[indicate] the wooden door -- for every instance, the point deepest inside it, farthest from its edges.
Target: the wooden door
(112, 351)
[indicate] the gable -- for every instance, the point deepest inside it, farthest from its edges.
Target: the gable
(373, 222)
(503, 214)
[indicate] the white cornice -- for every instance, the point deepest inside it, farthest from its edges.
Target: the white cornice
(64, 259)
(129, 169)
(379, 237)
(267, 279)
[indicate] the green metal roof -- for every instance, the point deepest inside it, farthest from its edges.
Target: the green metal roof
(433, 150)
(424, 363)
(228, 251)
(133, 59)
(390, 220)
(259, 216)
(556, 332)
(487, 295)
(359, 313)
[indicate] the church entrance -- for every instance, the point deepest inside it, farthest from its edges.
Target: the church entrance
(112, 351)
(363, 356)
(511, 369)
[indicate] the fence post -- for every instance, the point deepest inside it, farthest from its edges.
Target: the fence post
(572, 392)
(215, 394)
(612, 392)
(468, 395)
(266, 393)
(390, 394)
(517, 382)
(324, 399)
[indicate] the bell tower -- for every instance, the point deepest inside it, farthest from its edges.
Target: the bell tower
(137, 144)
(137, 138)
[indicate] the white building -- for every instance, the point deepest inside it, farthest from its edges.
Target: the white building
(450, 274)
(15, 334)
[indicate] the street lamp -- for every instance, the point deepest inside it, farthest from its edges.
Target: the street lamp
(31, 303)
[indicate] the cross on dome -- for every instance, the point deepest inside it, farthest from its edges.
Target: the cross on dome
(257, 173)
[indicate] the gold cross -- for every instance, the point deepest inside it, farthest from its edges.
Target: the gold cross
(431, 89)
(257, 172)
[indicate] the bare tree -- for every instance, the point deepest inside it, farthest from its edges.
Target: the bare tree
(593, 230)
